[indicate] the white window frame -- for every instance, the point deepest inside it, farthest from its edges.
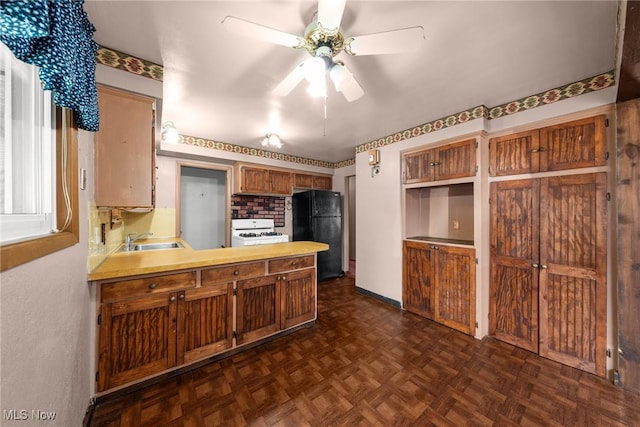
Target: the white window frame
(27, 154)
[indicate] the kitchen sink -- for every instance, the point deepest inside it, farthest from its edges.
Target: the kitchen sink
(153, 246)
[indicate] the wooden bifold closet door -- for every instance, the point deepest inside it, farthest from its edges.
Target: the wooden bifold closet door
(548, 267)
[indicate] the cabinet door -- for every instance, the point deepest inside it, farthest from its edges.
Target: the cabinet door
(279, 182)
(573, 237)
(515, 154)
(418, 284)
(137, 339)
(254, 180)
(513, 235)
(301, 180)
(417, 167)
(322, 182)
(257, 309)
(456, 287)
(124, 150)
(577, 144)
(456, 160)
(298, 296)
(205, 321)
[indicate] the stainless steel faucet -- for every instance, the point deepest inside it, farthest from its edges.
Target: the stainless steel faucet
(132, 237)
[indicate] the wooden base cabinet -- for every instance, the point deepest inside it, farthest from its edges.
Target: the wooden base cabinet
(152, 324)
(548, 267)
(439, 284)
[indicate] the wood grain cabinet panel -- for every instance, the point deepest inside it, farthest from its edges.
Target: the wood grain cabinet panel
(418, 287)
(456, 160)
(232, 272)
(417, 167)
(321, 182)
(298, 297)
(571, 145)
(309, 181)
(124, 150)
(514, 234)
(256, 180)
(439, 284)
(573, 297)
(123, 289)
(514, 154)
(205, 322)
(137, 339)
(456, 297)
(258, 308)
(287, 264)
(548, 267)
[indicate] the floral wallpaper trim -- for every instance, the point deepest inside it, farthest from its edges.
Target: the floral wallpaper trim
(232, 148)
(123, 61)
(581, 87)
(444, 122)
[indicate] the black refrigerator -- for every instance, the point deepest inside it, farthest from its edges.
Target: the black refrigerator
(317, 216)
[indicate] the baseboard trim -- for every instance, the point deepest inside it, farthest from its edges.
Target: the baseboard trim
(379, 297)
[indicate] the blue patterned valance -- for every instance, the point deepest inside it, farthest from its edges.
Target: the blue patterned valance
(56, 35)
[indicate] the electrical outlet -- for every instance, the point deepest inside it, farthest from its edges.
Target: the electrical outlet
(456, 224)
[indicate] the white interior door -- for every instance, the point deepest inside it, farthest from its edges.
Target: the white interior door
(203, 207)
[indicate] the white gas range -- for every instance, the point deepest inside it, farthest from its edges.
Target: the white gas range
(248, 232)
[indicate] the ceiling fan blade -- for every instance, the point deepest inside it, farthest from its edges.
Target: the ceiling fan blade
(290, 82)
(330, 13)
(394, 41)
(345, 82)
(260, 32)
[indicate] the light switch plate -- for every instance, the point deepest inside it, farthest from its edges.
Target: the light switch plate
(83, 178)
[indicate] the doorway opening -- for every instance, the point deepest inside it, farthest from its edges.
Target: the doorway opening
(203, 212)
(351, 218)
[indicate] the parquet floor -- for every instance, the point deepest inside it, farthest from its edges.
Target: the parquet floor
(370, 364)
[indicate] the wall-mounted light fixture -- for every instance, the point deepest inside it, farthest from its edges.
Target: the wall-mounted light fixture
(170, 133)
(374, 162)
(272, 140)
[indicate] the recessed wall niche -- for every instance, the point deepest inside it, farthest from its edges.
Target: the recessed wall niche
(441, 213)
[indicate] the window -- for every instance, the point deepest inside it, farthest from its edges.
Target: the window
(38, 151)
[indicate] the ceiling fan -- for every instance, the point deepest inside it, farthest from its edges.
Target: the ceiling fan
(323, 39)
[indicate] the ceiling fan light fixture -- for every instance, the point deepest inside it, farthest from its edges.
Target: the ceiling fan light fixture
(314, 69)
(318, 88)
(338, 75)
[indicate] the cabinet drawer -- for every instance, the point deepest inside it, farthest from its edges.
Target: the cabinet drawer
(232, 272)
(287, 264)
(114, 291)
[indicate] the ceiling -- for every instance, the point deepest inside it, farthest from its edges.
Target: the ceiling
(218, 85)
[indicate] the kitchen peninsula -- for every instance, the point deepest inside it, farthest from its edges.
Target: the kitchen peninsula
(159, 310)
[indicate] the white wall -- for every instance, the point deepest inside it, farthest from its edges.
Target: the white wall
(45, 320)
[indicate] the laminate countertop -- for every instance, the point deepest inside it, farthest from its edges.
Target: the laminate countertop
(123, 264)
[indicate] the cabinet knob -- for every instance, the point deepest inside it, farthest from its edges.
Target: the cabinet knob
(544, 266)
(294, 263)
(152, 285)
(284, 277)
(236, 272)
(534, 265)
(172, 299)
(181, 296)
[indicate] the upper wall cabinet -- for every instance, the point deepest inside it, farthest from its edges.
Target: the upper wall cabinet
(576, 144)
(251, 179)
(316, 182)
(457, 160)
(124, 150)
